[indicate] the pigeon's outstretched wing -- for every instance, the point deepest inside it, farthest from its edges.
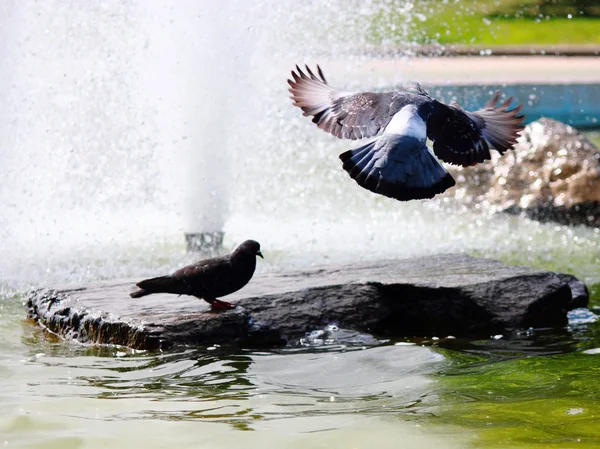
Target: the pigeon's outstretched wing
(346, 115)
(465, 138)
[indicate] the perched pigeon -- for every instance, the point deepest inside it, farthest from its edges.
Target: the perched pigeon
(208, 279)
(398, 163)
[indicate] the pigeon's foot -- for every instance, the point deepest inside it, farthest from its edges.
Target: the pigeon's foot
(221, 305)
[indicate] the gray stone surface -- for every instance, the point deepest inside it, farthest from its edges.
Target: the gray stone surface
(430, 296)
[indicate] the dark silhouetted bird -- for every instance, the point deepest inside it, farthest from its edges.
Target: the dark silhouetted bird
(208, 279)
(398, 163)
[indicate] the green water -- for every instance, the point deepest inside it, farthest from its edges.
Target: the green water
(543, 401)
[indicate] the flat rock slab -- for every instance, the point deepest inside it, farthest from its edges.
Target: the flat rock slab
(429, 296)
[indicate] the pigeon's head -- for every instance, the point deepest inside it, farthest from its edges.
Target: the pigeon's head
(413, 87)
(250, 247)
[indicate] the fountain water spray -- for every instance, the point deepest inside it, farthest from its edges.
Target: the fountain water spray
(125, 124)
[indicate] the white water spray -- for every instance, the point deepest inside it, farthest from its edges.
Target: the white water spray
(125, 124)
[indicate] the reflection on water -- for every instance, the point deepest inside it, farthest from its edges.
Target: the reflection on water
(60, 393)
(429, 393)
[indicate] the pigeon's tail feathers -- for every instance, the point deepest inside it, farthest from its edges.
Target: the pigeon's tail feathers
(403, 169)
(359, 163)
(162, 284)
(139, 293)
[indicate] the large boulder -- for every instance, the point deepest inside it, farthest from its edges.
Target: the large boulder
(552, 174)
(429, 296)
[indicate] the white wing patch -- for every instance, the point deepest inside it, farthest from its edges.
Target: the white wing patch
(407, 122)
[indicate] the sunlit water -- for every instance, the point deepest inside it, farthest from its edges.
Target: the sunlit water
(108, 155)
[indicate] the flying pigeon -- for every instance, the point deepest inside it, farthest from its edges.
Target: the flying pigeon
(398, 163)
(208, 279)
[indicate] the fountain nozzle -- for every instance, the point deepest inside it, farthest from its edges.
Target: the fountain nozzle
(204, 241)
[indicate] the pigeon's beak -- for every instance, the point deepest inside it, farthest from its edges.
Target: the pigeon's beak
(258, 253)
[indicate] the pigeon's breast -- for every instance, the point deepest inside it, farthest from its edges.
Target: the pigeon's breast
(239, 274)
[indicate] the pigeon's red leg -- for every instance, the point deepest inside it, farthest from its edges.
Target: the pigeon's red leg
(216, 304)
